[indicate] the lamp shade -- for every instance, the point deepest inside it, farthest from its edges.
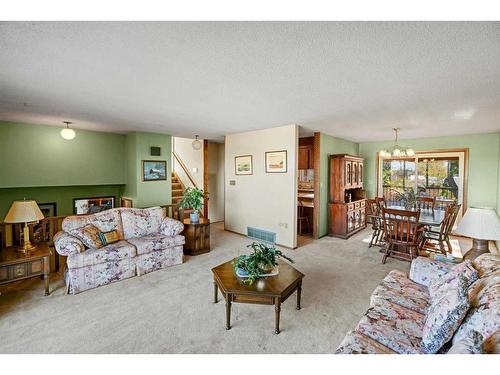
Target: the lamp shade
(480, 223)
(23, 212)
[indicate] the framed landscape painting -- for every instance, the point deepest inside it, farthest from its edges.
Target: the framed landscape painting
(154, 170)
(86, 206)
(243, 165)
(276, 162)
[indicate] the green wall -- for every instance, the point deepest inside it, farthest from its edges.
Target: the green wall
(37, 155)
(36, 163)
(483, 179)
(62, 195)
(329, 145)
(151, 193)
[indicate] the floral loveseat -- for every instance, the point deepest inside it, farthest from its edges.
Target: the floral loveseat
(147, 241)
(406, 311)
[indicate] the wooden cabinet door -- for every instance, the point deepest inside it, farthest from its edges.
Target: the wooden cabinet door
(350, 221)
(362, 218)
(348, 173)
(355, 174)
(304, 157)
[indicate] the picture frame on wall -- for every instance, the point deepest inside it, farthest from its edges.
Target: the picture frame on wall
(243, 165)
(87, 206)
(154, 170)
(40, 232)
(276, 161)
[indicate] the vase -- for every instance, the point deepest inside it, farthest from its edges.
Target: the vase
(194, 217)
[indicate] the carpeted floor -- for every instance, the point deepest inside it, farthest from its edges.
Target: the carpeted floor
(171, 310)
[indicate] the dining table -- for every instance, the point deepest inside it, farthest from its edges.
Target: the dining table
(428, 217)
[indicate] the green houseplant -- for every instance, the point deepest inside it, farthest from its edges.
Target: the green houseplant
(193, 199)
(408, 198)
(261, 261)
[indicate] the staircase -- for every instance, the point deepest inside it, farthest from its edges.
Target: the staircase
(177, 189)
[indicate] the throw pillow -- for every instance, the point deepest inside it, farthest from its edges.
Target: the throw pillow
(89, 235)
(439, 287)
(472, 344)
(445, 315)
(109, 237)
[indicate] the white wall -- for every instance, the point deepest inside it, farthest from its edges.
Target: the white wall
(216, 181)
(263, 200)
(191, 158)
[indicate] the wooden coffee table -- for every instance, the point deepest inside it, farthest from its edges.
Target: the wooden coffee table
(272, 290)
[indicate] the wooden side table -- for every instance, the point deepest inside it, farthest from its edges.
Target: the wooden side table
(197, 236)
(15, 266)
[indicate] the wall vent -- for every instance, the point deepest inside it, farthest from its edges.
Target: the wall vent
(261, 235)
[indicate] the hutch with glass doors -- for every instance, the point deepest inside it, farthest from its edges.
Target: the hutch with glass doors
(347, 206)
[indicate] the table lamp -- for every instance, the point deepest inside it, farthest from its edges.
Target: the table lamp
(24, 212)
(482, 225)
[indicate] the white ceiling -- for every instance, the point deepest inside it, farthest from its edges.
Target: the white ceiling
(353, 80)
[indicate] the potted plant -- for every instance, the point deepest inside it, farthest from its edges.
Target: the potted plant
(408, 198)
(260, 262)
(193, 199)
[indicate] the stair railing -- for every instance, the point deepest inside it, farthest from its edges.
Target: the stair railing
(184, 168)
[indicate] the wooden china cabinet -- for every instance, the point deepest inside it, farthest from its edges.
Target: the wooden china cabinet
(347, 207)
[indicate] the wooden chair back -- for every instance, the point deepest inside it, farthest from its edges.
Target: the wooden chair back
(380, 202)
(373, 212)
(426, 203)
(301, 209)
(401, 226)
(450, 217)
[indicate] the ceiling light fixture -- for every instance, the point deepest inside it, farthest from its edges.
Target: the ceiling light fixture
(68, 133)
(196, 143)
(396, 151)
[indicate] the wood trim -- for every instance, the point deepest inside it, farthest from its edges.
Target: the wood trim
(317, 168)
(205, 178)
(185, 169)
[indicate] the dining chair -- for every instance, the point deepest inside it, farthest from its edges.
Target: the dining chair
(431, 237)
(402, 233)
(302, 217)
(426, 203)
(374, 213)
(381, 202)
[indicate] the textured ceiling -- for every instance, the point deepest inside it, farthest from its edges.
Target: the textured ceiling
(354, 80)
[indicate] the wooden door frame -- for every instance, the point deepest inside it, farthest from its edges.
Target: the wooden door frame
(317, 166)
(205, 177)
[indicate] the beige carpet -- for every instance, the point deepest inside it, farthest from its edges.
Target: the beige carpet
(171, 310)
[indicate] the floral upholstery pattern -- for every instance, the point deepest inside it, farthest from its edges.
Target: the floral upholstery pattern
(67, 244)
(89, 234)
(440, 286)
(156, 260)
(445, 315)
(155, 242)
(141, 222)
(110, 253)
(171, 227)
(397, 288)
(487, 264)
(424, 271)
(471, 344)
(105, 221)
(88, 277)
(142, 247)
(394, 326)
(356, 343)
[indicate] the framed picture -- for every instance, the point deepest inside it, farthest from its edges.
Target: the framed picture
(276, 162)
(86, 206)
(243, 165)
(48, 209)
(154, 170)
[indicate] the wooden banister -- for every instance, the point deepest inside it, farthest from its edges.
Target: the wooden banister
(184, 168)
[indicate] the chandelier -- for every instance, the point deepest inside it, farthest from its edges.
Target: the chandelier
(396, 151)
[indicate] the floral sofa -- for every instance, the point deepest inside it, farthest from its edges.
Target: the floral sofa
(147, 241)
(412, 315)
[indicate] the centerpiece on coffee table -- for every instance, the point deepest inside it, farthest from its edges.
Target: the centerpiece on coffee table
(260, 263)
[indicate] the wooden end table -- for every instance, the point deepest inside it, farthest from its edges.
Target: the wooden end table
(197, 236)
(15, 265)
(272, 290)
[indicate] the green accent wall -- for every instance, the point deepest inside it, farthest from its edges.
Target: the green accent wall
(484, 151)
(62, 195)
(329, 145)
(151, 193)
(37, 155)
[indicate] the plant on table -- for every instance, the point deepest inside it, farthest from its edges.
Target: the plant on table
(193, 199)
(261, 261)
(408, 198)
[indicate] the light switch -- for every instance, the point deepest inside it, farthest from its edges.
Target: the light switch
(232, 182)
